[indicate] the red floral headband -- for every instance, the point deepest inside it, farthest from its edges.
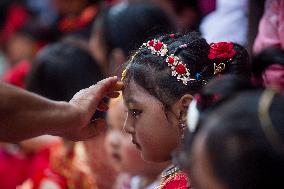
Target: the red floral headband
(178, 68)
(223, 51)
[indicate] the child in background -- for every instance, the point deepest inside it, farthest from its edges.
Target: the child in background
(240, 144)
(159, 83)
(134, 173)
(60, 70)
(117, 32)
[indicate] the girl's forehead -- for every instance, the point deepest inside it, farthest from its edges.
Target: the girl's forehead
(135, 94)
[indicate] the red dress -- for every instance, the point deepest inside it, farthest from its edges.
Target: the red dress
(175, 179)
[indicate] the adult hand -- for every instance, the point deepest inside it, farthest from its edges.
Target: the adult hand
(83, 106)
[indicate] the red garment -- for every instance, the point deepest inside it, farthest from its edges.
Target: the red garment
(178, 180)
(13, 170)
(17, 17)
(16, 75)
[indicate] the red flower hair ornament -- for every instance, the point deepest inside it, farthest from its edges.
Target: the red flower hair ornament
(222, 51)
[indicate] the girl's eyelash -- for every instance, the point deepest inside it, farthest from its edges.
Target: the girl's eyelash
(135, 112)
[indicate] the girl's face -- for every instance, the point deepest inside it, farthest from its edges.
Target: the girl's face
(121, 151)
(154, 130)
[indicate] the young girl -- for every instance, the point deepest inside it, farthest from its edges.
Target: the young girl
(133, 172)
(159, 83)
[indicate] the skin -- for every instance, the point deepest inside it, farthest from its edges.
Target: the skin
(273, 76)
(202, 173)
(25, 115)
(121, 151)
(155, 131)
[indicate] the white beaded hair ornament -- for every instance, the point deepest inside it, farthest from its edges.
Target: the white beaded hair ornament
(179, 69)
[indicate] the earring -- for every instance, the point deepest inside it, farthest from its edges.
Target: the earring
(182, 125)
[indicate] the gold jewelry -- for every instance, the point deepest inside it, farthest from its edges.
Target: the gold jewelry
(219, 68)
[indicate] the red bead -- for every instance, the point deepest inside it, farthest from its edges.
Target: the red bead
(151, 43)
(158, 46)
(171, 60)
(172, 35)
(180, 69)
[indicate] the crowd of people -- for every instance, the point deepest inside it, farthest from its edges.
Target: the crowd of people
(141, 94)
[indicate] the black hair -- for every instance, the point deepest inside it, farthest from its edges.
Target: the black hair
(238, 65)
(221, 89)
(180, 5)
(239, 150)
(61, 70)
(151, 71)
(215, 93)
(268, 56)
(127, 26)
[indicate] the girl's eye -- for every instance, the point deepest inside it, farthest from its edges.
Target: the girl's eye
(135, 113)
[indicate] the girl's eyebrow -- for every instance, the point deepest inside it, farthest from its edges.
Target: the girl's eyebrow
(132, 101)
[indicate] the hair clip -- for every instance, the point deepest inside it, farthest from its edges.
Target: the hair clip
(157, 47)
(219, 68)
(179, 69)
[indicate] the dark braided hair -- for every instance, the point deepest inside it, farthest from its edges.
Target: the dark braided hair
(151, 71)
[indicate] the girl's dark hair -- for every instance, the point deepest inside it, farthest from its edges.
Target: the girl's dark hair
(151, 71)
(265, 58)
(239, 150)
(61, 70)
(127, 26)
(213, 95)
(221, 89)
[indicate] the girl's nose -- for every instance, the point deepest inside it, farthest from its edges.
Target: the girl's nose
(128, 126)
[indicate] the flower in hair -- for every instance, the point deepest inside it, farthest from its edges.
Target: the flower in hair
(221, 50)
(179, 69)
(157, 47)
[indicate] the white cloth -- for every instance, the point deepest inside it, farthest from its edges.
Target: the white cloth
(229, 22)
(135, 182)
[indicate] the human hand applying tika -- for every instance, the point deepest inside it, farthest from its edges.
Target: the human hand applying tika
(25, 115)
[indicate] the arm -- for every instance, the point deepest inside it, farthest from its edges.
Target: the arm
(24, 115)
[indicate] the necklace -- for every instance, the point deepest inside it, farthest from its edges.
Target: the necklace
(173, 178)
(170, 171)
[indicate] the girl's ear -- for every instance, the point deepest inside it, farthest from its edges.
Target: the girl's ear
(182, 105)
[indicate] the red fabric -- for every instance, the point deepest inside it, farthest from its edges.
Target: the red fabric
(16, 75)
(17, 17)
(13, 170)
(40, 169)
(178, 181)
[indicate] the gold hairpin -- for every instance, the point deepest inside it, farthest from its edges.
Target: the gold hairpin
(124, 72)
(265, 102)
(219, 68)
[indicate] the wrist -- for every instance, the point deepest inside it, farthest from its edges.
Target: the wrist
(65, 118)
